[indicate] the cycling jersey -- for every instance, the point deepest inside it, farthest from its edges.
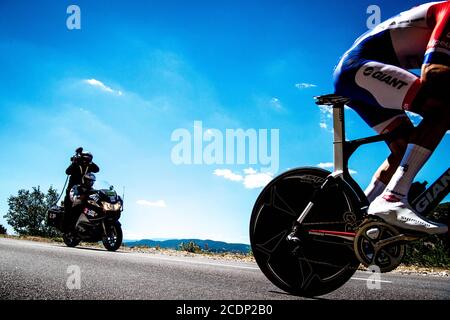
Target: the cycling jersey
(373, 72)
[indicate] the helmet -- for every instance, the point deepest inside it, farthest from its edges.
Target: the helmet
(88, 180)
(86, 157)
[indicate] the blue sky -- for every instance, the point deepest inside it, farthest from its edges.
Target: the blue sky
(139, 70)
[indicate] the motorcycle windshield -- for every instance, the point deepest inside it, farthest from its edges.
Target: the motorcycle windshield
(102, 185)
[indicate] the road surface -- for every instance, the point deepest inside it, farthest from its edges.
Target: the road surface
(34, 270)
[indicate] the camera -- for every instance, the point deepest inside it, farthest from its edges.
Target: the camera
(76, 158)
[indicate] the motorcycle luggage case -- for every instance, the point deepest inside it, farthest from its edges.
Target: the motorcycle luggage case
(55, 216)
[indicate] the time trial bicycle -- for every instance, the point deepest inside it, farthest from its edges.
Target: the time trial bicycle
(336, 233)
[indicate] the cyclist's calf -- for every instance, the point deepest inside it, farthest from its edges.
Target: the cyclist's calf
(397, 145)
(438, 111)
(433, 98)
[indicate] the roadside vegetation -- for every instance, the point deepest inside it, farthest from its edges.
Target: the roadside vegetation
(192, 247)
(432, 251)
(27, 213)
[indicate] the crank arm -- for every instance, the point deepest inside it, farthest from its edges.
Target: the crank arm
(401, 237)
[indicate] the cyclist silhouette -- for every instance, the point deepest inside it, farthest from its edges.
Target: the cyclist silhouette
(374, 74)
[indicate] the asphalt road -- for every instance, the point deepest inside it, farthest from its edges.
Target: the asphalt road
(33, 270)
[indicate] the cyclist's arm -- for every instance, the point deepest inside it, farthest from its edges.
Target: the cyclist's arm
(437, 56)
(71, 169)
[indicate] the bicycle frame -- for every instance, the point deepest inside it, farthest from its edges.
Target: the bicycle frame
(343, 150)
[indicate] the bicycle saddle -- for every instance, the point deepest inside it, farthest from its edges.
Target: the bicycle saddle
(331, 100)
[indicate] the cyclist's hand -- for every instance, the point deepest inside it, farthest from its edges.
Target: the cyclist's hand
(434, 72)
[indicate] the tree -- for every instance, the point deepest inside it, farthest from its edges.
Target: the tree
(190, 246)
(2, 229)
(27, 212)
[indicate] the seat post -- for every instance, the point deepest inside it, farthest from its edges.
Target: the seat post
(338, 103)
(339, 137)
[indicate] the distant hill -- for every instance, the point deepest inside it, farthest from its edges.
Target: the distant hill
(209, 245)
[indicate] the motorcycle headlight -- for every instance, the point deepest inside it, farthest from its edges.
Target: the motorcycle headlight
(111, 207)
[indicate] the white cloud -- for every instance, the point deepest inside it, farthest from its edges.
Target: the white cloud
(275, 103)
(228, 174)
(98, 84)
(302, 86)
(326, 165)
(251, 179)
(157, 204)
(414, 117)
(326, 113)
(352, 171)
(257, 180)
(250, 171)
(328, 110)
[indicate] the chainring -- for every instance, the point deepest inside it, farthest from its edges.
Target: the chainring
(371, 251)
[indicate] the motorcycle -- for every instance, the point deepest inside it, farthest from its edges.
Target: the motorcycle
(98, 221)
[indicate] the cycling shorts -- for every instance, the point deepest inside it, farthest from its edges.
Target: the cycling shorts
(380, 92)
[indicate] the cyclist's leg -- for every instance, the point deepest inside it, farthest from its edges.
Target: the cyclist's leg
(390, 87)
(383, 120)
(433, 104)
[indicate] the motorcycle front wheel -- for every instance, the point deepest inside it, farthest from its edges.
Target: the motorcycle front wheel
(320, 264)
(113, 239)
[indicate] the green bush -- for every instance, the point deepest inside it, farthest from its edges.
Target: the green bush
(2, 229)
(432, 251)
(190, 246)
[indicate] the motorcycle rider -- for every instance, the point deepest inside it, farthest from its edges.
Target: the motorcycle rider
(80, 166)
(79, 195)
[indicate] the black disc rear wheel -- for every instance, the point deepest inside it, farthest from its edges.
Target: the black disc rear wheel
(320, 264)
